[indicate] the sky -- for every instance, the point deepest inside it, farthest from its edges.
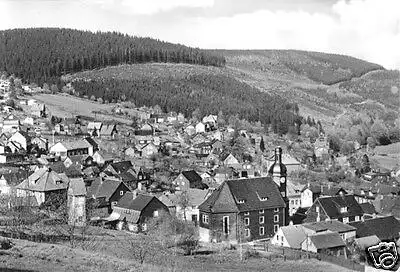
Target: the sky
(367, 29)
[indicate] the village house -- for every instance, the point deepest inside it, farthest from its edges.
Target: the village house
(134, 209)
(249, 209)
(289, 236)
(385, 228)
(148, 150)
(11, 124)
(94, 128)
(189, 179)
(200, 127)
(231, 161)
(42, 184)
(76, 202)
(294, 196)
(344, 208)
(187, 203)
(38, 110)
(108, 131)
(120, 167)
(102, 158)
(41, 143)
(5, 188)
(345, 231)
(326, 242)
(22, 138)
(11, 158)
(66, 149)
(311, 192)
(106, 192)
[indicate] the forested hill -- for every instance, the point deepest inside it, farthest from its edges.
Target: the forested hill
(44, 54)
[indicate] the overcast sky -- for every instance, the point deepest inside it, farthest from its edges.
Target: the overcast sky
(368, 29)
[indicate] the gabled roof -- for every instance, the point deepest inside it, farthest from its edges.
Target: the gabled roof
(333, 204)
(121, 166)
(103, 187)
(256, 194)
(331, 225)
(195, 181)
(44, 180)
(78, 144)
(92, 142)
(107, 130)
(368, 208)
(137, 203)
(386, 228)
(94, 125)
(294, 235)
(327, 240)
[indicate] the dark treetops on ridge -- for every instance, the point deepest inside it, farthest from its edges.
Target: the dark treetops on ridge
(44, 54)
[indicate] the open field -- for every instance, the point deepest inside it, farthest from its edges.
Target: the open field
(63, 105)
(111, 255)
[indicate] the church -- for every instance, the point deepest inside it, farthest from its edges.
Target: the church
(246, 209)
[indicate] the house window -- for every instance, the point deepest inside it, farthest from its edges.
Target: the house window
(247, 213)
(121, 193)
(345, 220)
(261, 220)
(225, 224)
(276, 210)
(155, 214)
(342, 236)
(261, 231)
(261, 211)
(205, 218)
(240, 201)
(292, 202)
(357, 218)
(297, 202)
(343, 209)
(247, 221)
(276, 218)
(276, 227)
(247, 232)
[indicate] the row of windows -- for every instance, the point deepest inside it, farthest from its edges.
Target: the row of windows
(261, 231)
(262, 211)
(295, 202)
(261, 220)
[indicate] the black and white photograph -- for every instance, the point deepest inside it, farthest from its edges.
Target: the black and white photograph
(199, 135)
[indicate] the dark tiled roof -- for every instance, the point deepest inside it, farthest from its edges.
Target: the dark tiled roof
(92, 142)
(138, 203)
(331, 225)
(327, 240)
(103, 187)
(251, 191)
(122, 166)
(332, 205)
(194, 179)
(386, 228)
(368, 208)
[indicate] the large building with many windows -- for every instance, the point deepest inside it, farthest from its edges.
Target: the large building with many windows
(246, 209)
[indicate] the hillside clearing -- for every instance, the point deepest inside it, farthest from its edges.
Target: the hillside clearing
(29, 256)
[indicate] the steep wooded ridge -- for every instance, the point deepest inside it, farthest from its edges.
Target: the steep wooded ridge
(44, 54)
(186, 88)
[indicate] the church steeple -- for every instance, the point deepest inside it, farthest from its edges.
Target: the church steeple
(278, 171)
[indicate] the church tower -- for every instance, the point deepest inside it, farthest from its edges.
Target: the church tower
(278, 172)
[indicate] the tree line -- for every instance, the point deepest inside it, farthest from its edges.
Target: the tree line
(196, 93)
(44, 54)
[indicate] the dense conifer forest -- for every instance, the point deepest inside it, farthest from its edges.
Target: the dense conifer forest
(44, 54)
(203, 94)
